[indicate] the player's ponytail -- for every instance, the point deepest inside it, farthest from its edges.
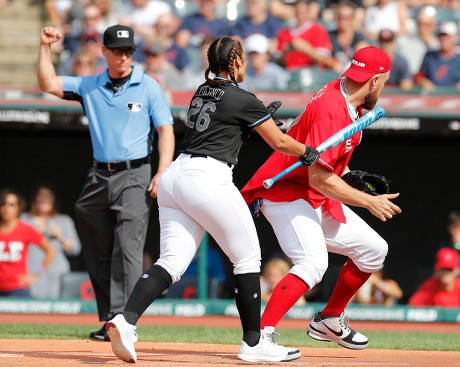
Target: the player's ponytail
(221, 54)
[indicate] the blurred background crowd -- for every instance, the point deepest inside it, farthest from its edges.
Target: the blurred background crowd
(290, 44)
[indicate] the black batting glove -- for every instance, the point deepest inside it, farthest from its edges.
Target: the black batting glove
(272, 108)
(310, 156)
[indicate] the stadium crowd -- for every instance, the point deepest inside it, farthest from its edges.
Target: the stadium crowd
(295, 43)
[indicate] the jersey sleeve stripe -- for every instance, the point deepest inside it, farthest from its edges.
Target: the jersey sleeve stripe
(258, 122)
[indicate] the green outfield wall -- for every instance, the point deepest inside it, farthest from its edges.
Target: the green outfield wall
(196, 308)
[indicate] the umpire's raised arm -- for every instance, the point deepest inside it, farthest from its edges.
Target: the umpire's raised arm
(48, 81)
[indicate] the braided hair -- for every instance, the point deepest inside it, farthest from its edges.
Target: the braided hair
(221, 54)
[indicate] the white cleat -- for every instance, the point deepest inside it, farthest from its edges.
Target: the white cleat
(267, 350)
(122, 337)
(336, 329)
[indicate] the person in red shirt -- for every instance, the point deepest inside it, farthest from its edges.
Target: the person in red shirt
(443, 288)
(15, 238)
(307, 210)
(306, 44)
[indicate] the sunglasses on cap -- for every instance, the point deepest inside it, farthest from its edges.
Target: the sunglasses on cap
(122, 51)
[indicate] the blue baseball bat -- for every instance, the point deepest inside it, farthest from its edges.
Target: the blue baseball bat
(340, 136)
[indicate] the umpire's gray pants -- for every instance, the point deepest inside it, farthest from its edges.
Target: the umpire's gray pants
(112, 215)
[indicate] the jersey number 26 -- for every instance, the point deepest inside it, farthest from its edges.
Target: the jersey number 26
(198, 114)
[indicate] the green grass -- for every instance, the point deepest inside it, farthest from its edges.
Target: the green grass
(378, 339)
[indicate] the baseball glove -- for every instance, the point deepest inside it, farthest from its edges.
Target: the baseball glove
(368, 182)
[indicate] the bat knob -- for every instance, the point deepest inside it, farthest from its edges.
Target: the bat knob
(268, 183)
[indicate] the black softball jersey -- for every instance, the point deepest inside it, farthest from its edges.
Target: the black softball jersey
(220, 118)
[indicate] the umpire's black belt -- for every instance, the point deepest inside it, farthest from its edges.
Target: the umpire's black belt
(122, 165)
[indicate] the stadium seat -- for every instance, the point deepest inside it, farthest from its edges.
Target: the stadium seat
(310, 79)
(186, 288)
(77, 284)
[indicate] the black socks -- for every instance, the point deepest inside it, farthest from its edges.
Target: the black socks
(248, 303)
(149, 287)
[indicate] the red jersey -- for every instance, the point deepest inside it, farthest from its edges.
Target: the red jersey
(13, 254)
(325, 114)
(316, 34)
(429, 294)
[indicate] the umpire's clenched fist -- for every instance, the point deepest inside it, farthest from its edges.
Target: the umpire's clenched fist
(49, 35)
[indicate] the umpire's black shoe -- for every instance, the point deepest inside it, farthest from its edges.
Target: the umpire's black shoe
(100, 334)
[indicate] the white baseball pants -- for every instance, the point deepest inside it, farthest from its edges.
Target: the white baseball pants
(306, 235)
(197, 195)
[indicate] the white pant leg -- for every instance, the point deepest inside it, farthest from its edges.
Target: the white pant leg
(355, 239)
(202, 192)
(297, 226)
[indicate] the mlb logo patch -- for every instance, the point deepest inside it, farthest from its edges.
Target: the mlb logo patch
(135, 107)
(123, 34)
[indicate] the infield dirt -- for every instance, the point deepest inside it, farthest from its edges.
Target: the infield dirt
(79, 353)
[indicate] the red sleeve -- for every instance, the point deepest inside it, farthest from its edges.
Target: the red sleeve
(423, 296)
(33, 235)
(322, 39)
(284, 37)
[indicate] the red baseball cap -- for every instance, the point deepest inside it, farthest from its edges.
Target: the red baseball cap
(367, 62)
(447, 258)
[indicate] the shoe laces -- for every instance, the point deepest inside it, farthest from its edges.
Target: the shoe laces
(344, 322)
(271, 337)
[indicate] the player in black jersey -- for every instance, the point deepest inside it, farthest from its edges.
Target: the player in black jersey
(196, 194)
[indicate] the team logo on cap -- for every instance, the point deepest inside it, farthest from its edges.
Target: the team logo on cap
(123, 34)
(358, 63)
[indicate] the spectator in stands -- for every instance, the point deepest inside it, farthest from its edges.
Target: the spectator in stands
(305, 44)
(413, 47)
(443, 288)
(158, 67)
(274, 270)
(59, 229)
(84, 63)
(346, 40)
(195, 27)
(379, 290)
(400, 75)
(16, 238)
(165, 32)
(261, 73)
(258, 20)
(90, 21)
(90, 42)
(386, 14)
(454, 229)
(442, 67)
(284, 10)
(56, 12)
(281, 10)
(141, 15)
(194, 72)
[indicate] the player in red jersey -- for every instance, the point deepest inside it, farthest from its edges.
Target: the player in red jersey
(307, 43)
(15, 237)
(307, 210)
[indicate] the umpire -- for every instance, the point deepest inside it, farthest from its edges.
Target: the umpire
(124, 108)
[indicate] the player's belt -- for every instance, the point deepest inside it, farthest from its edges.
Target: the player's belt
(121, 165)
(199, 155)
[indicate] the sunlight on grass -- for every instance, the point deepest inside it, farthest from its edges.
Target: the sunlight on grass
(216, 335)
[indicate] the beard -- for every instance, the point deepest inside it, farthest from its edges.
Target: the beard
(370, 100)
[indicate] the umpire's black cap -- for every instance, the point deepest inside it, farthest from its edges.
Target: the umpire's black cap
(119, 36)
